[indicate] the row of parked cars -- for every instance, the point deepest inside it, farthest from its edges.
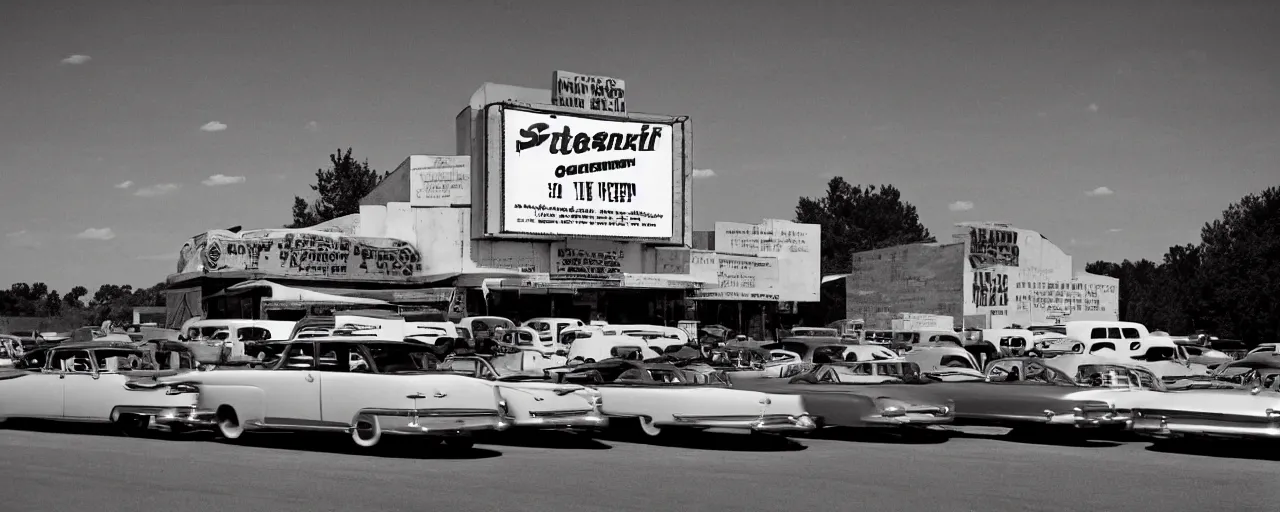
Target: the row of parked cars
(350, 377)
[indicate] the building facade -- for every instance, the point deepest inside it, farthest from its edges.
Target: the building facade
(992, 275)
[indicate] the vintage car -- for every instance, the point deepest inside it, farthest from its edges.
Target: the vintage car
(102, 382)
(658, 397)
(600, 348)
(945, 362)
(1208, 356)
(844, 394)
(1013, 392)
(1252, 412)
(361, 386)
(532, 399)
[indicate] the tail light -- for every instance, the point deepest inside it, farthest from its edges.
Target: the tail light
(181, 388)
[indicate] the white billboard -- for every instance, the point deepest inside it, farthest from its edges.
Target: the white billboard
(569, 175)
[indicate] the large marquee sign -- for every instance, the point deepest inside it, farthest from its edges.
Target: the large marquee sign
(581, 176)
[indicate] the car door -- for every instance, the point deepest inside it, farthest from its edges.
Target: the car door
(38, 393)
(92, 395)
(292, 390)
(77, 375)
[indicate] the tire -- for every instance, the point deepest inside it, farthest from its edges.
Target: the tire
(367, 431)
(229, 423)
(133, 425)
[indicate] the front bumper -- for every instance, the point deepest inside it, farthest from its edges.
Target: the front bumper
(172, 418)
(923, 416)
(1184, 424)
(760, 423)
(581, 419)
(439, 422)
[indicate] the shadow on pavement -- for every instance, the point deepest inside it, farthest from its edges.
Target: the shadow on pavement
(542, 439)
(95, 429)
(1220, 448)
(881, 435)
(1065, 436)
(710, 441)
(395, 447)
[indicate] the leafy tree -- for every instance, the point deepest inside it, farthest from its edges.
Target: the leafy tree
(52, 304)
(72, 298)
(340, 189)
(1224, 285)
(855, 219)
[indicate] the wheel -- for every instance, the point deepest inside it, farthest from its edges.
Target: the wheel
(367, 431)
(460, 443)
(133, 425)
(228, 423)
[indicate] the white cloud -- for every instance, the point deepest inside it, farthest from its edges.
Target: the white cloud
(96, 234)
(699, 174)
(77, 59)
(960, 206)
(15, 234)
(156, 190)
(312, 126)
(1114, 230)
(218, 180)
(124, 184)
(1093, 107)
(1100, 191)
(213, 126)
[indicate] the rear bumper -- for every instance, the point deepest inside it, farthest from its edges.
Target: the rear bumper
(171, 418)
(438, 422)
(764, 423)
(1176, 424)
(583, 419)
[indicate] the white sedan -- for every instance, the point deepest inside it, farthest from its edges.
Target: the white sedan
(361, 386)
(101, 382)
(532, 399)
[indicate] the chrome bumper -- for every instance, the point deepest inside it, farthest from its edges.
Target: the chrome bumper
(583, 419)
(167, 418)
(442, 422)
(1096, 416)
(941, 415)
(765, 423)
(1173, 424)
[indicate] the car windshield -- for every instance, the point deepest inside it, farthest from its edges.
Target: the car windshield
(1118, 377)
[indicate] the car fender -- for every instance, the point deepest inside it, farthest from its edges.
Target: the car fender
(249, 402)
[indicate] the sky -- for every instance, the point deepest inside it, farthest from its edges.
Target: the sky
(1114, 128)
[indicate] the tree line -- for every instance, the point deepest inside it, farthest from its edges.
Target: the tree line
(110, 302)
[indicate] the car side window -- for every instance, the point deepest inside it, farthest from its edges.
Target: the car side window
(299, 356)
(73, 361)
(1098, 333)
(334, 357)
(1004, 371)
(1269, 381)
(1114, 333)
(1195, 351)
(1130, 333)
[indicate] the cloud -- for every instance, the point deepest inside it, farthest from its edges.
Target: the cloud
(156, 190)
(1100, 191)
(218, 180)
(96, 234)
(699, 174)
(76, 60)
(1114, 230)
(1093, 107)
(22, 238)
(124, 184)
(213, 126)
(312, 127)
(960, 206)
(168, 256)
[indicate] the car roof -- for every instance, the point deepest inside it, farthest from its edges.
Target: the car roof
(345, 339)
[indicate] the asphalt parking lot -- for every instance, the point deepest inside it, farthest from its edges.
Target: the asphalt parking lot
(57, 467)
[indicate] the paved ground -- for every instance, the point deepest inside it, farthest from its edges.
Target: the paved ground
(59, 468)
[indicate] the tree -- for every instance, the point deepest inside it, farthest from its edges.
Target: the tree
(52, 304)
(340, 189)
(1224, 285)
(856, 219)
(72, 298)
